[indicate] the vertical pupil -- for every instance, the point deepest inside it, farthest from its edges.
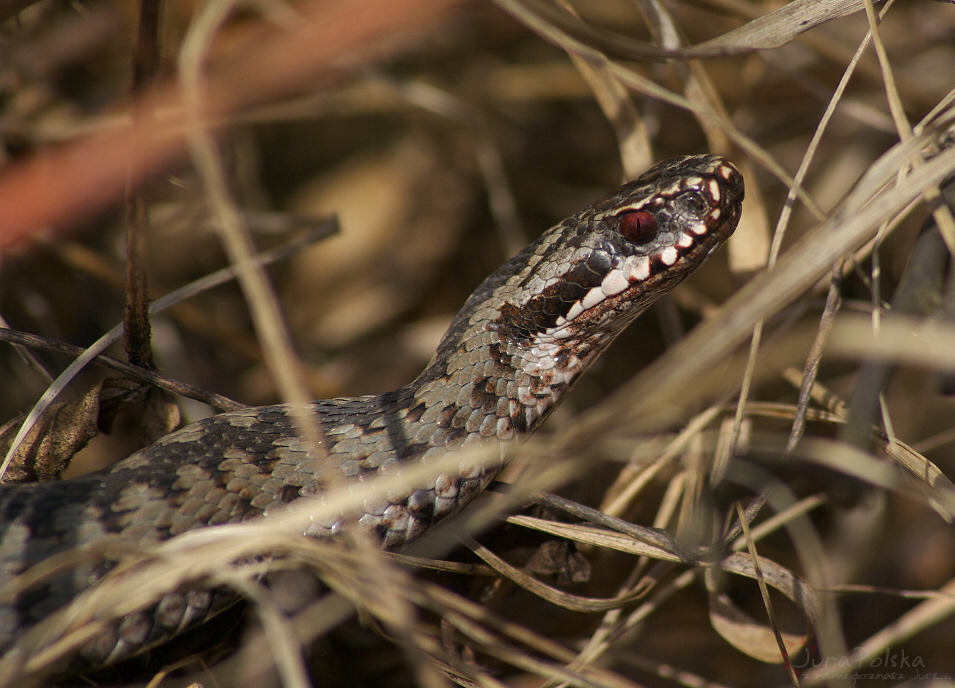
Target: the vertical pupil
(638, 226)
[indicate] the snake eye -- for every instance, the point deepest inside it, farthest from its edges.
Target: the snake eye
(638, 226)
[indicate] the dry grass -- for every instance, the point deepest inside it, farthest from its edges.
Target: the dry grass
(445, 135)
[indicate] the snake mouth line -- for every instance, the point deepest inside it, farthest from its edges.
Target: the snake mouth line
(722, 193)
(645, 237)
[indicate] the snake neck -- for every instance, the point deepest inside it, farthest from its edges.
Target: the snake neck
(540, 320)
(484, 383)
(493, 388)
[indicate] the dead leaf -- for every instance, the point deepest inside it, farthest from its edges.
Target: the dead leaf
(66, 428)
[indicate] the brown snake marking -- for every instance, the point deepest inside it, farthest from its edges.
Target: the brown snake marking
(518, 344)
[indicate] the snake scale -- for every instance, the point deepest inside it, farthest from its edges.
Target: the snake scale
(518, 344)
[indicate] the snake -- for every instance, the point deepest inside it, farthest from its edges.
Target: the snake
(510, 355)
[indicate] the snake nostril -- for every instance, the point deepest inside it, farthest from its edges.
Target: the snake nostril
(732, 182)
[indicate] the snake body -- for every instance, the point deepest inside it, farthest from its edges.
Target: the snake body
(518, 344)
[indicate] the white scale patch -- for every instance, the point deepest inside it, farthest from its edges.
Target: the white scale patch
(669, 255)
(715, 190)
(636, 268)
(543, 350)
(574, 311)
(669, 191)
(614, 283)
(592, 298)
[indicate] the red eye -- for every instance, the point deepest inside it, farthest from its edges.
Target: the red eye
(638, 226)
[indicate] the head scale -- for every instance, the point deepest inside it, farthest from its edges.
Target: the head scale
(596, 271)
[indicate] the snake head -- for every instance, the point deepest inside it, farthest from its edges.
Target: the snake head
(589, 276)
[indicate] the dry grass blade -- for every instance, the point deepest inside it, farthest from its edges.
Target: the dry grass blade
(95, 350)
(547, 592)
(744, 636)
(270, 326)
(785, 24)
(32, 341)
(686, 365)
(769, 31)
(923, 616)
(127, 155)
(777, 577)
